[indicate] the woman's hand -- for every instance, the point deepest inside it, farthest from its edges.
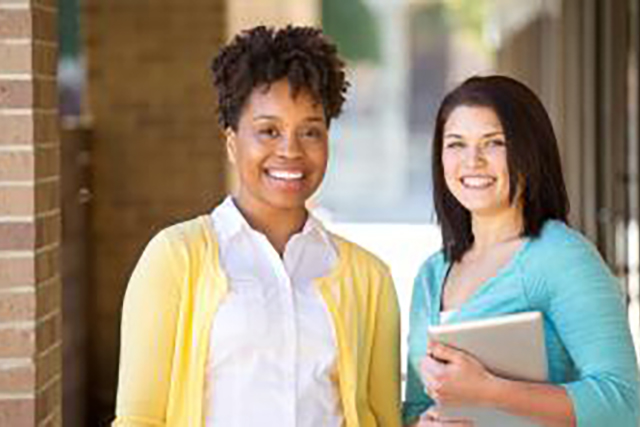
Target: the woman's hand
(453, 377)
(432, 419)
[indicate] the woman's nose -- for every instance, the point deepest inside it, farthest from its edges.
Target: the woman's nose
(475, 155)
(289, 146)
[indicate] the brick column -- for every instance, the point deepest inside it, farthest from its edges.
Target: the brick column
(30, 313)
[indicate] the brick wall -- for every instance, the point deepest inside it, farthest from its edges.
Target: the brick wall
(30, 314)
(155, 151)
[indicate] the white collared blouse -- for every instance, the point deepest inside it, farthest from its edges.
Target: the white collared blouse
(272, 357)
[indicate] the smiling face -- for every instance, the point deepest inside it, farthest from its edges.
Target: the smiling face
(474, 159)
(279, 150)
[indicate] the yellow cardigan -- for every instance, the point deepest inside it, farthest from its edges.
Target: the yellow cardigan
(171, 302)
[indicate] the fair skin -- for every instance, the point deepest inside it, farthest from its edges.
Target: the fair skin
(279, 152)
(474, 158)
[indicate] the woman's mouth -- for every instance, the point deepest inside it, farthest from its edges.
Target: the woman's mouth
(477, 182)
(285, 175)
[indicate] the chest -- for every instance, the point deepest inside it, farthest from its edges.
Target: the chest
(272, 322)
(467, 277)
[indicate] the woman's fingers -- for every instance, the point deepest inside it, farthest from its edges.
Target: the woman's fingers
(451, 376)
(432, 372)
(432, 418)
(431, 368)
(444, 353)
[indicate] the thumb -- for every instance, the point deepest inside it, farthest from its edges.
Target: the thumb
(444, 352)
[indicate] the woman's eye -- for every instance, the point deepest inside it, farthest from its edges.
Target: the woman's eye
(496, 143)
(268, 132)
(454, 144)
(312, 133)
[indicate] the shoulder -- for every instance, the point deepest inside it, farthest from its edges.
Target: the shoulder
(562, 260)
(190, 231)
(558, 244)
(429, 277)
(365, 272)
(434, 264)
(357, 256)
(181, 241)
(431, 269)
(170, 256)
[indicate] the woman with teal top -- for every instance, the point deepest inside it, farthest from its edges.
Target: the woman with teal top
(502, 205)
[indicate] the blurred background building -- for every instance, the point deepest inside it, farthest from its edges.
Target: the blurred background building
(128, 143)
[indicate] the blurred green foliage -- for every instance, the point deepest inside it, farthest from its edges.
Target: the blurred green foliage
(354, 27)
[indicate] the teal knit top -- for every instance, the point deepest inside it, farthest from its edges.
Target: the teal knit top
(589, 348)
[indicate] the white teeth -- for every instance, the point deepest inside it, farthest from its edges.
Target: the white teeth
(286, 175)
(477, 181)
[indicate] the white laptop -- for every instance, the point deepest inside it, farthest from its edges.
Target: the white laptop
(511, 346)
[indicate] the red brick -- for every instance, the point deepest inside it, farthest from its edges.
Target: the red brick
(54, 419)
(18, 236)
(15, 23)
(44, 24)
(16, 166)
(47, 264)
(48, 230)
(48, 297)
(45, 59)
(26, 129)
(49, 332)
(48, 400)
(17, 272)
(17, 379)
(17, 307)
(45, 93)
(16, 201)
(47, 128)
(16, 93)
(16, 130)
(47, 196)
(47, 162)
(49, 365)
(17, 342)
(17, 412)
(15, 58)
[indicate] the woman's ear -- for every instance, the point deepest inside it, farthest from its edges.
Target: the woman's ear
(230, 136)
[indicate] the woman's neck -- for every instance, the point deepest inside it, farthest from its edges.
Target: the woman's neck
(278, 225)
(489, 230)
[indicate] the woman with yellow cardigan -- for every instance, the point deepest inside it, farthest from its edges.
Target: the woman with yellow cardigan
(255, 314)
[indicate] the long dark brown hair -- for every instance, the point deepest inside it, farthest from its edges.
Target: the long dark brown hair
(532, 158)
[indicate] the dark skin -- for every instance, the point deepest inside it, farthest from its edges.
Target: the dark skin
(279, 151)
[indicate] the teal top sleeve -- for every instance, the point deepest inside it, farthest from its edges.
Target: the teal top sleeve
(586, 306)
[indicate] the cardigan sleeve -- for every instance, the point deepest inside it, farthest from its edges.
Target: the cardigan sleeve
(384, 370)
(586, 306)
(149, 318)
(416, 400)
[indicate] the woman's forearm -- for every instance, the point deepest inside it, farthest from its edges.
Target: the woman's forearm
(546, 404)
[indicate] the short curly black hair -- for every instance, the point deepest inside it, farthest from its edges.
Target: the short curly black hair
(263, 55)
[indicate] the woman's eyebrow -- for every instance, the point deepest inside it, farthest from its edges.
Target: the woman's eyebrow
(453, 135)
(490, 134)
